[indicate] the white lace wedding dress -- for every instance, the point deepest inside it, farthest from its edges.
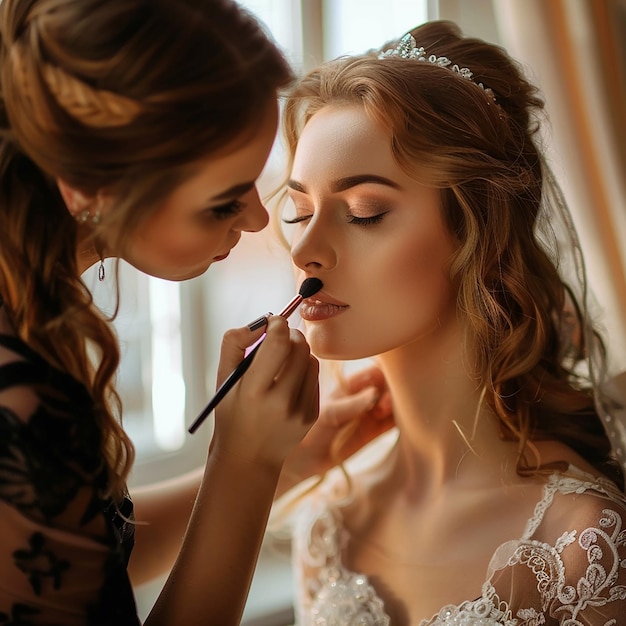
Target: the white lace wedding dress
(566, 574)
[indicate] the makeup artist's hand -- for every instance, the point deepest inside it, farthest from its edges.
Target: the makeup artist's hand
(354, 414)
(275, 403)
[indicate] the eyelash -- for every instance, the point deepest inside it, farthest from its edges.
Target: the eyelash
(366, 221)
(296, 220)
(225, 211)
(352, 219)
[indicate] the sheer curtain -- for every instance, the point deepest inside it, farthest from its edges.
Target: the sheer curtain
(576, 50)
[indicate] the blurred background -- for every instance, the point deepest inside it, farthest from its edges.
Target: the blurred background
(574, 50)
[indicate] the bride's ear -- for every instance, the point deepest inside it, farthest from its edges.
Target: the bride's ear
(76, 201)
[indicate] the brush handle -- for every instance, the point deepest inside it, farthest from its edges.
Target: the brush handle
(309, 287)
(239, 371)
(225, 387)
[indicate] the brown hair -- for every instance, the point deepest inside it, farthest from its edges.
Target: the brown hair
(122, 96)
(447, 131)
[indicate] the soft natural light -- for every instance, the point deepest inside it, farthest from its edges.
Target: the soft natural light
(168, 385)
(279, 16)
(354, 26)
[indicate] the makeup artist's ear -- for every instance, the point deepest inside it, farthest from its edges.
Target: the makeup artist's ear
(75, 201)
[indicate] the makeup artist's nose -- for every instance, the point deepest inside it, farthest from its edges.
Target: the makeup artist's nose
(314, 247)
(254, 217)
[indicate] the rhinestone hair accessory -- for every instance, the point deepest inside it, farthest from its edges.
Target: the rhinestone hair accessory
(407, 48)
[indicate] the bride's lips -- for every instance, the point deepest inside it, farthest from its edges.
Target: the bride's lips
(320, 307)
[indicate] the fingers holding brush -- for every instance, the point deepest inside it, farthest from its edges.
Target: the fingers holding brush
(274, 353)
(235, 343)
(297, 381)
(272, 407)
(309, 287)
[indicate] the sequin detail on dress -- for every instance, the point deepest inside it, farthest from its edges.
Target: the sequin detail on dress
(348, 599)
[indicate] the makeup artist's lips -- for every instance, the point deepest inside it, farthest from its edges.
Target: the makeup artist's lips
(221, 257)
(321, 307)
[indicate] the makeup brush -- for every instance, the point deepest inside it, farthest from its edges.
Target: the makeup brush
(308, 288)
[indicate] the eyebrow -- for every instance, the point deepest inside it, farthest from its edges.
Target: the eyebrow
(234, 191)
(343, 184)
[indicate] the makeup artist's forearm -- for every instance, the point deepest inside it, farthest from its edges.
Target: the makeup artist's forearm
(162, 511)
(210, 580)
(287, 481)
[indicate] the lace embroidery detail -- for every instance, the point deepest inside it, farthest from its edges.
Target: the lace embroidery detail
(39, 563)
(565, 540)
(546, 564)
(541, 508)
(600, 547)
(598, 586)
(35, 476)
(488, 610)
(567, 484)
(51, 479)
(531, 617)
(339, 596)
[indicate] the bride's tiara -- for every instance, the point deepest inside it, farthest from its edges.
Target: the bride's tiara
(407, 48)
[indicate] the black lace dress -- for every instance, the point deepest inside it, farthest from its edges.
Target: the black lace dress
(63, 549)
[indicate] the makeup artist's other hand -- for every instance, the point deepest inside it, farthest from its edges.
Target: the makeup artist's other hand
(354, 414)
(275, 403)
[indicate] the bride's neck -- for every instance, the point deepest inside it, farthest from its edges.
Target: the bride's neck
(446, 430)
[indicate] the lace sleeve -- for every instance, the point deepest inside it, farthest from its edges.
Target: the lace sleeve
(593, 590)
(60, 560)
(571, 567)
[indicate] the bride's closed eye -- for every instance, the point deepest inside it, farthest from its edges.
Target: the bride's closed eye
(366, 221)
(297, 219)
(351, 218)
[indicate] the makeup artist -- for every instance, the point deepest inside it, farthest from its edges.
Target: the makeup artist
(136, 129)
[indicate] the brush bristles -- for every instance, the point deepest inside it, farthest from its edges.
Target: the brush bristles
(310, 287)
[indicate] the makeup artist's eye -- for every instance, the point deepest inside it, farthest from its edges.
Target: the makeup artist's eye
(366, 221)
(224, 211)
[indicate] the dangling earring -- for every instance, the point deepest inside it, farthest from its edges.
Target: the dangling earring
(93, 218)
(100, 250)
